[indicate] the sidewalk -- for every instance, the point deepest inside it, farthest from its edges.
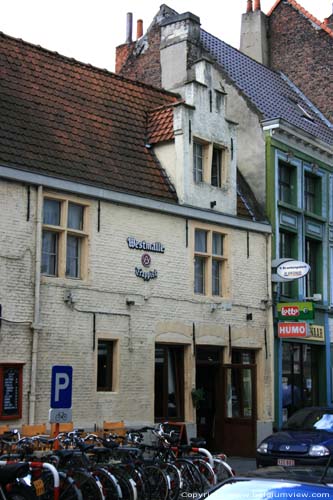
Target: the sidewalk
(241, 464)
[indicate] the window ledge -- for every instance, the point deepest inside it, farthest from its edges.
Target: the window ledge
(290, 207)
(311, 215)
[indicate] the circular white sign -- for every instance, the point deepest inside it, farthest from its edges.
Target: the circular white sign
(293, 269)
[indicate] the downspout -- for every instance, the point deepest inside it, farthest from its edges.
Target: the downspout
(35, 327)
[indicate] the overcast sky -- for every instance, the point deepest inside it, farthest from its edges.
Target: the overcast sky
(89, 30)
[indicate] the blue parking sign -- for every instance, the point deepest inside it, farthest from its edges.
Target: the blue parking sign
(61, 387)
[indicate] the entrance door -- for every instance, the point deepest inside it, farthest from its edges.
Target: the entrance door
(238, 428)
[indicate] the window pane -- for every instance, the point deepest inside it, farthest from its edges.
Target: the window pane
(169, 382)
(200, 240)
(310, 188)
(197, 162)
(312, 257)
(216, 277)
(75, 216)
(285, 183)
(49, 253)
(199, 275)
(51, 212)
(73, 256)
(104, 365)
(216, 168)
(217, 244)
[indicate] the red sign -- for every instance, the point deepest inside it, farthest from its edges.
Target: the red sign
(298, 329)
(290, 311)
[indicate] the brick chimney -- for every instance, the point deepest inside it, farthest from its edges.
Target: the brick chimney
(253, 39)
(124, 50)
(180, 36)
(139, 29)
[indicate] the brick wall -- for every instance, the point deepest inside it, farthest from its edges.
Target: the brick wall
(143, 63)
(304, 54)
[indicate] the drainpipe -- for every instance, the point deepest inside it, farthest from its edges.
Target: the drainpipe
(35, 327)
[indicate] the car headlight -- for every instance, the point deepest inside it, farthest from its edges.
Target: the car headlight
(318, 450)
(263, 448)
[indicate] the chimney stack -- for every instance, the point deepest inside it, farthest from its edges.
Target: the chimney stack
(249, 6)
(257, 5)
(129, 27)
(139, 28)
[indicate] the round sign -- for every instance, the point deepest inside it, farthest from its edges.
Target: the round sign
(293, 269)
(146, 260)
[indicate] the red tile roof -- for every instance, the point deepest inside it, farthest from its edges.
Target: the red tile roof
(307, 14)
(70, 120)
(160, 125)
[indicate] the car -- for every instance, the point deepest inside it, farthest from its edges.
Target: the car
(305, 439)
(241, 488)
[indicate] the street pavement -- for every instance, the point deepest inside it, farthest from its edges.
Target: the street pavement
(241, 465)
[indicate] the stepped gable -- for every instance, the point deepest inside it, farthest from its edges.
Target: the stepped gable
(73, 121)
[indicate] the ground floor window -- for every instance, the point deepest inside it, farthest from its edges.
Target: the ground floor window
(299, 377)
(169, 382)
(105, 365)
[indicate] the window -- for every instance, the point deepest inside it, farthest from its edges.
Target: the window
(216, 176)
(105, 365)
(312, 195)
(209, 262)
(64, 242)
(287, 249)
(169, 382)
(313, 258)
(197, 162)
(207, 164)
(286, 183)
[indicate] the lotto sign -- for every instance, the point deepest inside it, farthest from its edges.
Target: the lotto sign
(298, 310)
(290, 330)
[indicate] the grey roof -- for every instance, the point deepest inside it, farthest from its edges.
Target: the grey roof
(272, 93)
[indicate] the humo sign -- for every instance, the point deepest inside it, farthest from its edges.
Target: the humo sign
(293, 269)
(296, 329)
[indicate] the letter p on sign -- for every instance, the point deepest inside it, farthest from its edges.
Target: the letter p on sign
(61, 387)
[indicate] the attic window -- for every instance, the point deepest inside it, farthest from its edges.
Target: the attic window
(306, 115)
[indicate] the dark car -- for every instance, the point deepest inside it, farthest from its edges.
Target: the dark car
(261, 489)
(305, 439)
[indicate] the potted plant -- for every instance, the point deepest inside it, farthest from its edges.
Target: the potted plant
(198, 395)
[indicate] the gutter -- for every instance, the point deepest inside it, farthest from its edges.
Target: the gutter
(35, 327)
(173, 209)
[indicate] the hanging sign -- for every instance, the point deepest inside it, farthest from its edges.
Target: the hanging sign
(292, 270)
(296, 310)
(292, 330)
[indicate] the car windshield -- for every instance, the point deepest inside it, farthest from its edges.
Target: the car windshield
(311, 419)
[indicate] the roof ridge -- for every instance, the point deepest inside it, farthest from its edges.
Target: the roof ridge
(88, 66)
(306, 13)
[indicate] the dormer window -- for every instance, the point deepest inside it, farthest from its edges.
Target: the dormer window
(216, 174)
(207, 164)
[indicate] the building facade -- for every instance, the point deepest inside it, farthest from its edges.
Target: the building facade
(131, 251)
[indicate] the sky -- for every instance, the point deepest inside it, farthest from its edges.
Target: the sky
(89, 30)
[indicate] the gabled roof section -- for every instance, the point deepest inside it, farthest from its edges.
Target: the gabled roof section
(272, 94)
(305, 13)
(72, 121)
(160, 125)
(247, 205)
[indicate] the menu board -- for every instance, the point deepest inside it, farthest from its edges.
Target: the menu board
(10, 391)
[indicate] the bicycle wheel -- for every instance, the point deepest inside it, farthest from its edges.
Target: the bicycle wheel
(126, 483)
(89, 486)
(191, 477)
(159, 482)
(207, 473)
(222, 470)
(175, 480)
(111, 488)
(68, 488)
(141, 483)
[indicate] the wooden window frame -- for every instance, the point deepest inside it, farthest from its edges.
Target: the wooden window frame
(207, 157)
(179, 349)
(208, 257)
(19, 367)
(63, 231)
(114, 365)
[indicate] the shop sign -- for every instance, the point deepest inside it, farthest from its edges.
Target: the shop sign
(135, 244)
(291, 330)
(292, 269)
(317, 332)
(297, 310)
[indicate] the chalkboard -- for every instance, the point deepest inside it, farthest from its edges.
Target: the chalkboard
(10, 391)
